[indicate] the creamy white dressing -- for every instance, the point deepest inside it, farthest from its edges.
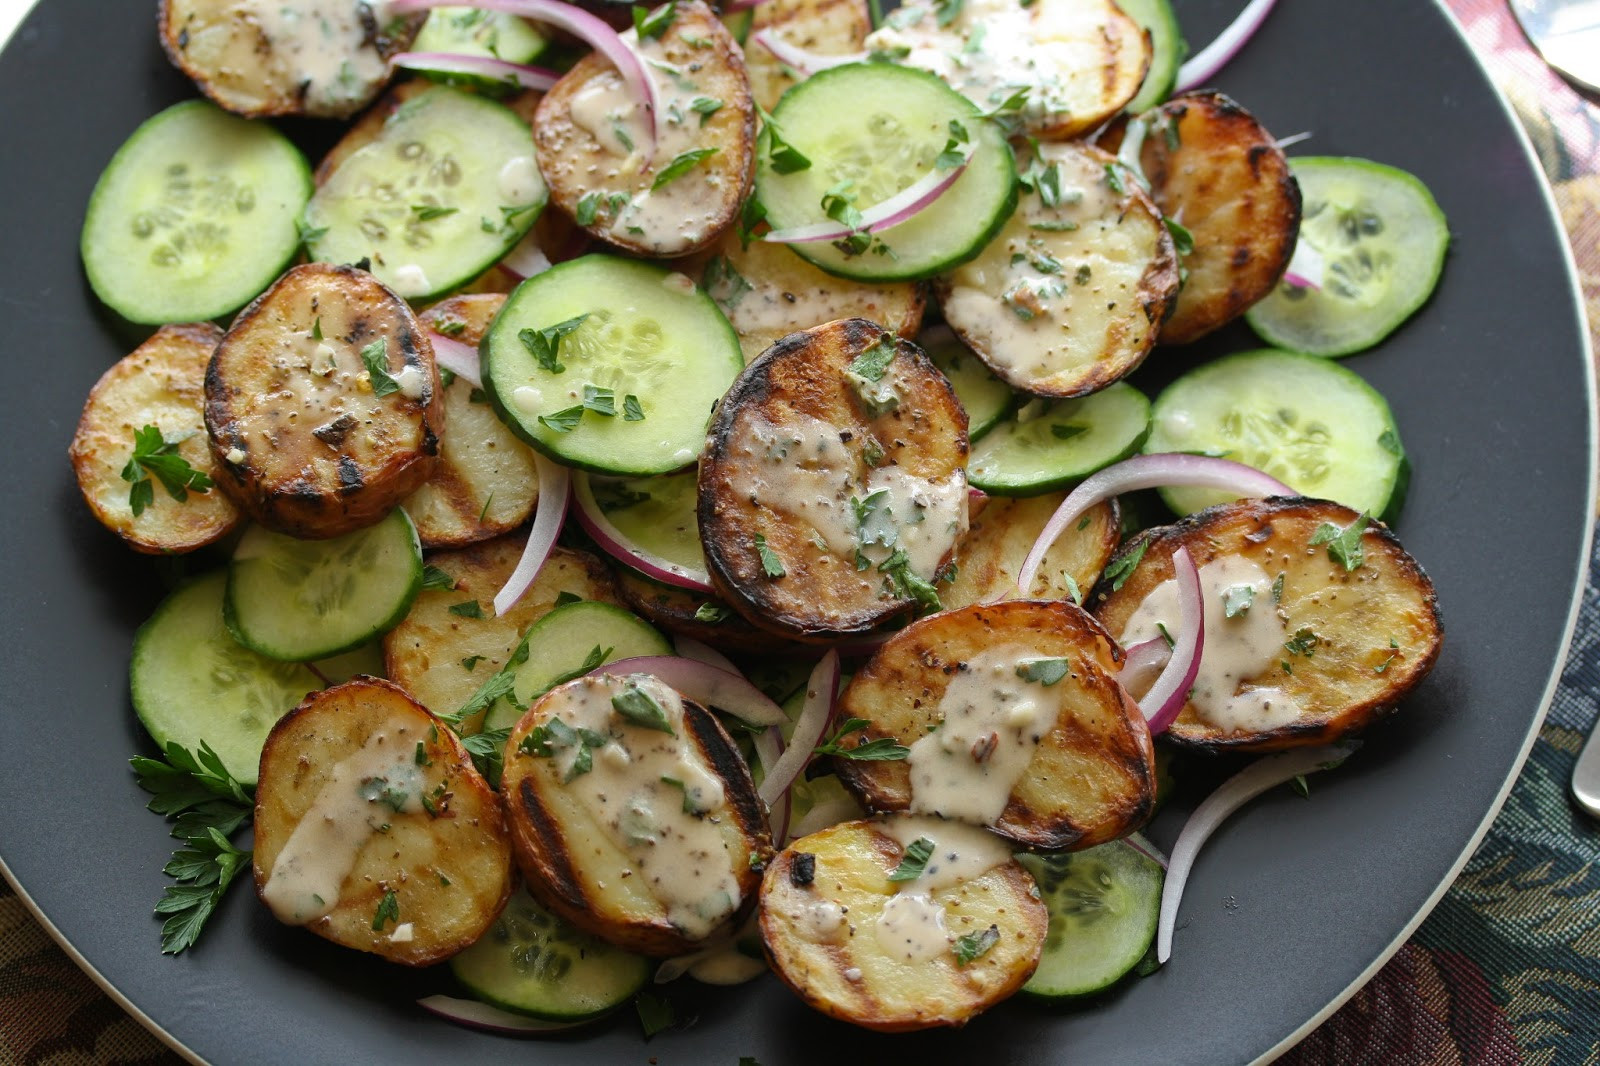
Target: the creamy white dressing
(730, 966)
(235, 456)
(519, 179)
(324, 46)
(410, 280)
(682, 857)
(821, 921)
(990, 724)
(1237, 649)
(363, 793)
(912, 926)
(411, 382)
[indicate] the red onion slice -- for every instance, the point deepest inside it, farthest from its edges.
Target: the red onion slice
(805, 62)
(526, 257)
(588, 28)
(518, 74)
(1142, 664)
(475, 1015)
(617, 544)
(458, 358)
(706, 685)
(1171, 690)
(548, 515)
(815, 714)
(891, 212)
(690, 648)
(769, 751)
(1306, 267)
(1234, 793)
(1147, 472)
(1213, 57)
(1138, 843)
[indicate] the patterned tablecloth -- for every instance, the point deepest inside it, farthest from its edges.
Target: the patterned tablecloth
(1505, 971)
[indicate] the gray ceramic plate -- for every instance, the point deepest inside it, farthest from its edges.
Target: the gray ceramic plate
(1292, 904)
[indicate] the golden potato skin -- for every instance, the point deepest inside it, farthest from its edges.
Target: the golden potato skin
(161, 383)
(572, 867)
(821, 595)
(449, 869)
(1092, 778)
(1002, 533)
(853, 861)
(302, 442)
(1230, 184)
(823, 27)
(1354, 677)
(673, 609)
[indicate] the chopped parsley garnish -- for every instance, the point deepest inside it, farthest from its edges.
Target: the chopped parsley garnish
(309, 235)
(655, 1013)
(971, 945)
(873, 363)
(1123, 566)
(632, 411)
(647, 25)
(376, 358)
(771, 565)
(906, 582)
(914, 861)
(502, 683)
(1237, 599)
(690, 804)
(470, 663)
(451, 328)
(1114, 179)
(203, 871)
(1277, 589)
(1394, 653)
(637, 706)
(316, 328)
(1054, 225)
(588, 206)
(1304, 642)
(544, 741)
(1083, 274)
(434, 578)
(563, 421)
(712, 613)
(620, 132)
(388, 910)
(467, 609)
(1344, 545)
(545, 344)
(1166, 635)
(601, 401)
(723, 283)
(884, 749)
(1073, 591)
(429, 212)
(564, 597)
(1301, 785)
(155, 454)
(421, 757)
(952, 155)
(1182, 239)
(705, 107)
(488, 751)
(784, 157)
(681, 164)
(1045, 672)
(596, 657)
(1044, 179)
(946, 11)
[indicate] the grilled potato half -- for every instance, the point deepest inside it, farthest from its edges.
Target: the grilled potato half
(632, 813)
(896, 955)
(768, 292)
(833, 486)
(823, 27)
(1003, 532)
(693, 614)
(485, 482)
(374, 831)
(322, 403)
(1015, 720)
(451, 642)
(320, 58)
(592, 138)
(1214, 168)
(1069, 297)
(1079, 60)
(161, 383)
(1314, 649)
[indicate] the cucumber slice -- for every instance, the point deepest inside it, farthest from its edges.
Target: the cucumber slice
(645, 333)
(193, 216)
(1062, 444)
(739, 23)
(1310, 423)
(1383, 241)
(190, 681)
(880, 127)
(1104, 904)
(303, 599)
(655, 513)
(985, 396)
(532, 962)
(445, 190)
(1168, 50)
(468, 31)
(562, 645)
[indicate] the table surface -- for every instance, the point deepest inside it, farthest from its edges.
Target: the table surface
(1505, 971)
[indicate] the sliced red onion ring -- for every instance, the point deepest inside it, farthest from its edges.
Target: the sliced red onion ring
(805, 62)
(475, 1015)
(891, 212)
(518, 74)
(1142, 664)
(548, 515)
(616, 544)
(1203, 66)
(690, 648)
(1306, 267)
(588, 28)
(526, 257)
(1147, 472)
(1292, 139)
(1138, 843)
(1234, 793)
(1171, 690)
(821, 690)
(769, 750)
(706, 685)
(458, 358)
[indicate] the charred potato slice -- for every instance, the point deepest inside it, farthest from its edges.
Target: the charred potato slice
(590, 136)
(1319, 652)
(1069, 296)
(823, 27)
(307, 439)
(162, 384)
(896, 956)
(1079, 60)
(485, 483)
(1002, 533)
(692, 614)
(768, 292)
(374, 831)
(632, 813)
(451, 642)
(321, 58)
(1213, 167)
(1015, 720)
(840, 452)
